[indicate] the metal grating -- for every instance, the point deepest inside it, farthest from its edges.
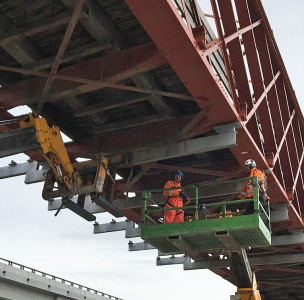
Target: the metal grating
(205, 241)
(251, 237)
(163, 245)
(247, 231)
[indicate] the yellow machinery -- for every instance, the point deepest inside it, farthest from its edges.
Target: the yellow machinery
(69, 182)
(251, 293)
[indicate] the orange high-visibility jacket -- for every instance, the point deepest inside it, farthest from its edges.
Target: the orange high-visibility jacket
(247, 191)
(173, 195)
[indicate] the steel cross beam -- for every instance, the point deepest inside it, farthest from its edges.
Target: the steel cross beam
(107, 84)
(64, 44)
(140, 59)
(213, 47)
(44, 74)
(190, 170)
(283, 139)
(298, 172)
(45, 25)
(262, 97)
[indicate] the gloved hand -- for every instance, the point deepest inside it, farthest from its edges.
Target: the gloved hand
(184, 196)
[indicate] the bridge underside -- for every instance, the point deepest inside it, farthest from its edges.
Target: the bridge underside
(152, 87)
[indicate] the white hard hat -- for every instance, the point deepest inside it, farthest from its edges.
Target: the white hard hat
(250, 163)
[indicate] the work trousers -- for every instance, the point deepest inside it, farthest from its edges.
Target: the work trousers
(174, 216)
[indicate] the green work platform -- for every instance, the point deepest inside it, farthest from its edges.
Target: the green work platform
(207, 235)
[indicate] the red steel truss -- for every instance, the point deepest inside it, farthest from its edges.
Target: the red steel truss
(263, 100)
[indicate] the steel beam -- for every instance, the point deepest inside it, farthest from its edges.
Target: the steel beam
(190, 170)
(292, 239)
(18, 141)
(128, 226)
(139, 246)
(71, 205)
(173, 260)
(279, 215)
(253, 261)
(228, 241)
(182, 245)
(206, 264)
(200, 145)
(15, 169)
(101, 201)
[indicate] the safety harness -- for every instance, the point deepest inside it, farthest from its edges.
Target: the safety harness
(170, 204)
(177, 212)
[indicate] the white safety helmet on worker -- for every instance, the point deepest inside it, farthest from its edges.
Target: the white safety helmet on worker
(250, 163)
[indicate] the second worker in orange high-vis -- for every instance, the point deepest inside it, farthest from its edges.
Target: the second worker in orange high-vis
(247, 190)
(175, 198)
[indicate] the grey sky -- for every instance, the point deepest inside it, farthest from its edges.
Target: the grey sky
(66, 246)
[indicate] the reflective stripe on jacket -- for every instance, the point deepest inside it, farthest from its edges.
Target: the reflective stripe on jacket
(247, 191)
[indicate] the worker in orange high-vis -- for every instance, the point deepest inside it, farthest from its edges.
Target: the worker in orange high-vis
(175, 198)
(247, 190)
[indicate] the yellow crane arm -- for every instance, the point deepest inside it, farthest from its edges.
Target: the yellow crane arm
(54, 151)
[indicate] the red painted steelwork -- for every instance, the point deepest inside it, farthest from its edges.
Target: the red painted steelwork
(136, 60)
(262, 97)
(230, 38)
(225, 55)
(283, 139)
(60, 53)
(162, 20)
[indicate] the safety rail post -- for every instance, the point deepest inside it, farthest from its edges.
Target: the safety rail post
(144, 208)
(268, 208)
(255, 190)
(224, 207)
(196, 202)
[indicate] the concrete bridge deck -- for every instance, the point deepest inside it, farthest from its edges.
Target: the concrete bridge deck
(20, 282)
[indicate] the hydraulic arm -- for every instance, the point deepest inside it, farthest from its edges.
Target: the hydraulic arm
(35, 135)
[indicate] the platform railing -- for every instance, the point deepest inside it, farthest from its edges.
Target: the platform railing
(58, 279)
(201, 208)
